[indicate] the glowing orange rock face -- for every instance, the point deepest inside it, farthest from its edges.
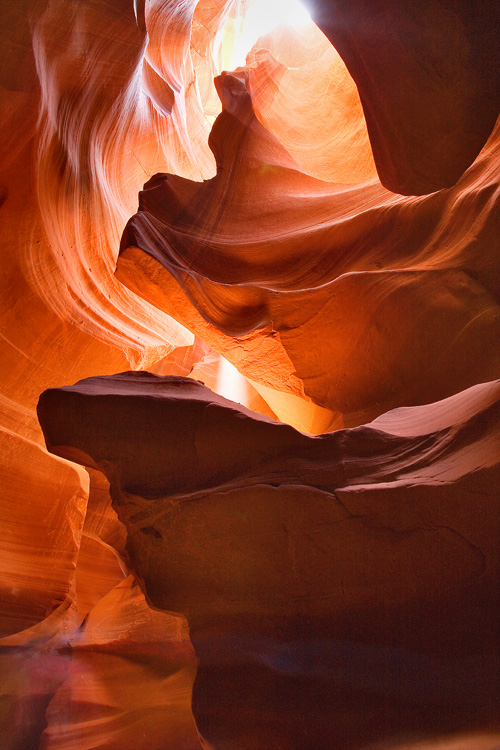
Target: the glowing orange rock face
(330, 282)
(428, 79)
(300, 559)
(329, 140)
(42, 517)
(129, 681)
(367, 301)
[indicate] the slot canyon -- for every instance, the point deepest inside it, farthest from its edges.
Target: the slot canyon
(250, 403)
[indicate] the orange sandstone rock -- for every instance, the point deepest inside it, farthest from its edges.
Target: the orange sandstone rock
(355, 568)
(428, 79)
(362, 299)
(95, 98)
(129, 682)
(42, 514)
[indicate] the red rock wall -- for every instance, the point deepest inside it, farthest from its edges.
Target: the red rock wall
(335, 237)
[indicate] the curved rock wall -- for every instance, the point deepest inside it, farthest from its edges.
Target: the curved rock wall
(340, 284)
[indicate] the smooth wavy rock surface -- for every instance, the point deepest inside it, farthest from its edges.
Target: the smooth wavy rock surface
(41, 534)
(429, 81)
(129, 681)
(353, 569)
(302, 92)
(363, 300)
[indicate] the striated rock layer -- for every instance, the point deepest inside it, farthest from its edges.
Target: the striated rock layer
(340, 589)
(353, 300)
(129, 680)
(362, 299)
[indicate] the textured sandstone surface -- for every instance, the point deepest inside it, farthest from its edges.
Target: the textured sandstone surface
(291, 554)
(281, 249)
(129, 681)
(335, 298)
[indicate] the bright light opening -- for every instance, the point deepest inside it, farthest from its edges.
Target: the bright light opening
(258, 18)
(262, 16)
(230, 383)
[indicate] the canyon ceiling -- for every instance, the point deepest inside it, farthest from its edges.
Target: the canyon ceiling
(249, 341)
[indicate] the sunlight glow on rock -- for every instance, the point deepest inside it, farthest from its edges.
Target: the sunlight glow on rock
(230, 383)
(258, 18)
